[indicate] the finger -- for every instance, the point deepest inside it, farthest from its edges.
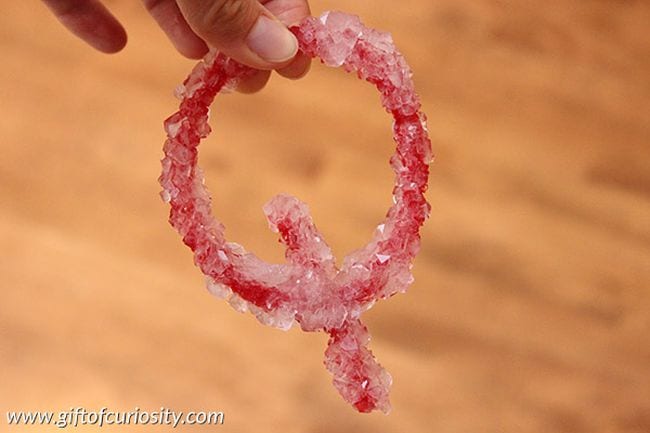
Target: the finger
(91, 21)
(242, 29)
(289, 12)
(171, 21)
(298, 68)
(255, 83)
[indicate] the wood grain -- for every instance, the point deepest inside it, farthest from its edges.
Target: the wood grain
(531, 306)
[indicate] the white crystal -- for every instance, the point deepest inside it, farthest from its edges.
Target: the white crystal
(238, 303)
(217, 289)
(281, 319)
(383, 258)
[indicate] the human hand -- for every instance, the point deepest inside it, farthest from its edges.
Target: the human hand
(252, 32)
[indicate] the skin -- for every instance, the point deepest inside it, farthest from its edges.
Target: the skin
(192, 26)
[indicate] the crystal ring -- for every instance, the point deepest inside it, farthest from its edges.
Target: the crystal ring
(310, 288)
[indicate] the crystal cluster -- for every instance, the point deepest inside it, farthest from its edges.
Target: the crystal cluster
(309, 289)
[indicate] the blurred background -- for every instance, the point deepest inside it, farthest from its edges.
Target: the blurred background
(531, 306)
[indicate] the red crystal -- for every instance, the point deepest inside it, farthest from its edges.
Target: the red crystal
(309, 289)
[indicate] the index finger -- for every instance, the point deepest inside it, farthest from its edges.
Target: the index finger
(90, 21)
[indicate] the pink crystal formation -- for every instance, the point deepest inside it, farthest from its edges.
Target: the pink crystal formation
(309, 289)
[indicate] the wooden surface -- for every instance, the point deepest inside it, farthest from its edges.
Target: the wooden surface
(531, 306)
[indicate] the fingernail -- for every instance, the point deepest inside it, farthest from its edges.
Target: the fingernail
(272, 41)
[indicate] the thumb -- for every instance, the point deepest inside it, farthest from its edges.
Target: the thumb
(242, 29)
